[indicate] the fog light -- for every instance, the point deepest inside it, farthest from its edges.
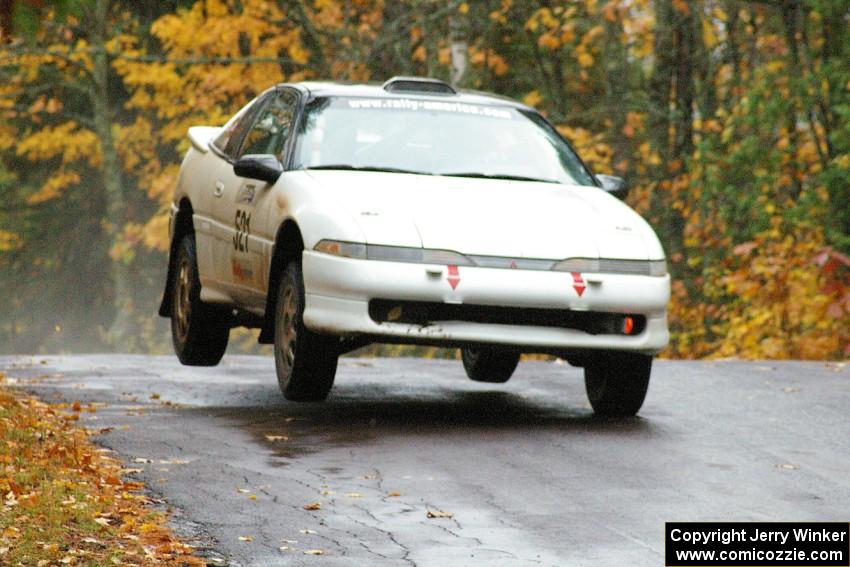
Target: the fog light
(628, 325)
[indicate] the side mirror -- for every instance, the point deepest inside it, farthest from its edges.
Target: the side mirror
(264, 167)
(614, 185)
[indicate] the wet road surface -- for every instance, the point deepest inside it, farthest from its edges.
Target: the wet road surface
(529, 476)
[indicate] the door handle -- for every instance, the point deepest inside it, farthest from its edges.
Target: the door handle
(219, 189)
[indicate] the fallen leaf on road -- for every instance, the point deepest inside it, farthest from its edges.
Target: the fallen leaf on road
(314, 552)
(76, 406)
(274, 438)
(327, 492)
(243, 490)
(308, 532)
(788, 466)
(102, 521)
(354, 495)
(252, 497)
(142, 460)
(154, 396)
(393, 494)
(313, 506)
(283, 548)
(439, 514)
(790, 389)
(246, 538)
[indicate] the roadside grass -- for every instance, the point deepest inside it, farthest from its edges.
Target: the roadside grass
(63, 500)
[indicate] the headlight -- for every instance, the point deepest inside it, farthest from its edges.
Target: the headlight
(448, 257)
(392, 253)
(337, 248)
(613, 266)
(658, 267)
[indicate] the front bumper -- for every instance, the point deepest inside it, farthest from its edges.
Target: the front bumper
(338, 291)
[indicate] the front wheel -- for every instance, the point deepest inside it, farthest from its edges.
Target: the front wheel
(198, 332)
(305, 361)
(616, 383)
(489, 365)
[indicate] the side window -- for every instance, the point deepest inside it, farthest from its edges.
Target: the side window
(234, 131)
(272, 127)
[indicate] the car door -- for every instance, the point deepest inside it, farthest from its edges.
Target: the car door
(218, 180)
(244, 199)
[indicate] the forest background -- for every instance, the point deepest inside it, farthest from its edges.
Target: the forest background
(730, 119)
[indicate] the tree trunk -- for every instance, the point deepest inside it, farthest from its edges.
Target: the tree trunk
(116, 203)
(791, 22)
(617, 85)
(458, 47)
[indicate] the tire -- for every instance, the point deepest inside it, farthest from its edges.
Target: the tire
(305, 361)
(617, 382)
(495, 366)
(198, 332)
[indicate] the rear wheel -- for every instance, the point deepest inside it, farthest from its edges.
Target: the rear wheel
(305, 361)
(198, 332)
(617, 382)
(489, 365)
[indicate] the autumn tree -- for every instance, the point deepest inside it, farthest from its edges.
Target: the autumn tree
(729, 118)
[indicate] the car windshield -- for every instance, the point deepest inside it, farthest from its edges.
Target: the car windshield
(434, 137)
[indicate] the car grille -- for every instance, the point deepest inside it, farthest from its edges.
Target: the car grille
(425, 313)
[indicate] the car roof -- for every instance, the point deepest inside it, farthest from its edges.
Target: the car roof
(377, 90)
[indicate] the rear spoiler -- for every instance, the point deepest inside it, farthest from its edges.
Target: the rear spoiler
(201, 136)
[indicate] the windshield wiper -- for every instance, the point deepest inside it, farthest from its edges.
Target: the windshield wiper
(498, 176)
(349, 167)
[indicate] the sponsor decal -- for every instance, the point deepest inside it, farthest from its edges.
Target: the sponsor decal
(243, 230)
(240, 272)
(411, 104)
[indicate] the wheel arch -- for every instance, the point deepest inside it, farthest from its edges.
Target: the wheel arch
(288, 245)
(181, 226)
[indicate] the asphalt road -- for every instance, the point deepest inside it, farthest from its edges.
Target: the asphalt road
(530, 476)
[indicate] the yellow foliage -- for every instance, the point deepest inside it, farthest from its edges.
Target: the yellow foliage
(592, 147)
(533, 98)
(681, 6)
(709, 34)
(53, 187)
(786, 306)
(489, 59)
(155, 232)
(585, 59)
(9, 241)
(68, 141)
(549, 41)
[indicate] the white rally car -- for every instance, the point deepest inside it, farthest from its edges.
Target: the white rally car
(332, 216)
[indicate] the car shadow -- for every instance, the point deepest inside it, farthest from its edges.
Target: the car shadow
(292, 429)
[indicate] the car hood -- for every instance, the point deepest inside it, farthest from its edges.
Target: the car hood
(489, 217)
